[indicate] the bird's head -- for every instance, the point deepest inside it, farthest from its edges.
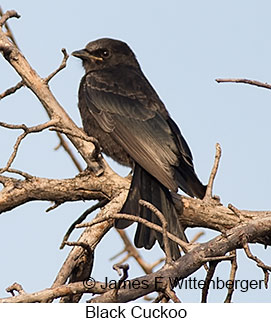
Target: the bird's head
(105, 52)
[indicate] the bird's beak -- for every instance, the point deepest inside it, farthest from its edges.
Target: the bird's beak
(84, 54)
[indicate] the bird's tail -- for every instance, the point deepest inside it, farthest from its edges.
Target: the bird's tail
(144, 186)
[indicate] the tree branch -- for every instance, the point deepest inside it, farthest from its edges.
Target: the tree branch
(193, 260)
(245, 81)
(40, 88)
(11, 90)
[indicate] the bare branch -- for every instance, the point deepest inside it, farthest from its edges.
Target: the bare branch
(82, 136)
(91, 236)
(171, 294)
(194, 259)
(9, 14)
(39, 87)
(232, 277)
(79, 244)
(61, 67)
(118, 268)
(11, 90)
(27, 131)
(220, 258)
(15, 287)
(208, 278)
(133, 252)
(64, 144)
(245, 81)
(164, 227)
(19, 172)
(8, 30)
(197, 236)
(55, 292)
(260, 264)
(209, 189)
(81, 219)
(134, 218)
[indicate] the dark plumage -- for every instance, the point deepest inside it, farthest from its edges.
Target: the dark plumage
(121, 109)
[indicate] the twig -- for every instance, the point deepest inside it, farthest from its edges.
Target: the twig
(218, 258)
(37, 85)
(80, 136)
(7, 15)
(79, 244)
(26, 130)
(209, 189)
(159, 298)
(19, 172)
(81, 219)
(54, 206)
(9, 32)
(133, 252)
(164, 227)
(97, 149)
(124, 268)
(245, 81)
(61, 67)
(64, 144)
(56, 292)
(83, 136)
(134, 218)
(197, 236)
(232, 277)
(11, 90)
(260, 264)
(15, 287)
(208, 278)
(171, 294)
(237, 212)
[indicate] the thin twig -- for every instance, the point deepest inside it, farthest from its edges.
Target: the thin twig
(209, 189)
(124, 268)
(95, 153)
(118, 267)
(218, 258)
(197, 236)
(62, 65)
(83, 136)
(8, 30)
(70, 133)
(81, 219)
(54, 206)
(15, 287)
(11, 90)
(260, 264)
(171, 294)
(64, 144)
(232, 277)
(164, 227)
(236, 211)
(245, 81)
(56, 292)
(133, 252)
(7, 15)
(208, 278)
(185, 246)
(19, 172)
(26, 130)
(79, 244)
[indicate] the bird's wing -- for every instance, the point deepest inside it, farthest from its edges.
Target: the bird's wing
(134, 121)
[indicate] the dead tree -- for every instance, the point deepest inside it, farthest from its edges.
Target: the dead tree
(236, 228)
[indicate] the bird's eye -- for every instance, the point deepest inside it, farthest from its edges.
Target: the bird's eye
(105, 53)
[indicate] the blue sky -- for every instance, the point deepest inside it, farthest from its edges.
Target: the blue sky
(182, 46)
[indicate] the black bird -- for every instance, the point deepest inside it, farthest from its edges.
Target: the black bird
(120, 108)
